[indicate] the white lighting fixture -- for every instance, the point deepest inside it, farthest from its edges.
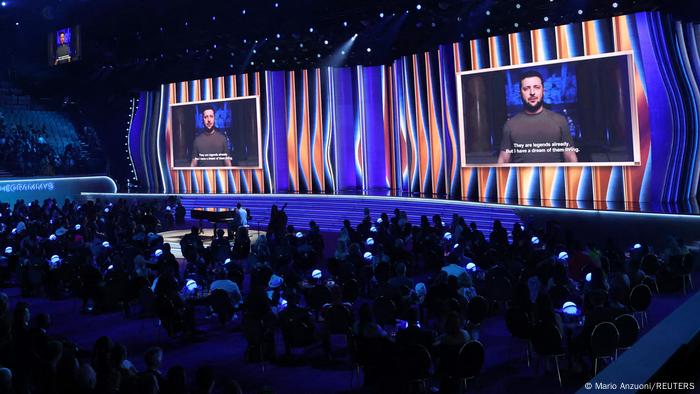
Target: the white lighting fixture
(418, 6)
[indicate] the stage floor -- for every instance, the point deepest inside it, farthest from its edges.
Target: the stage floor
(329, 212)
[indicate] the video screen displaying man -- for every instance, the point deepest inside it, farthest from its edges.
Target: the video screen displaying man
(536, 134)
(63, 52)
(579, 111)
(210, 148)
(216, 134)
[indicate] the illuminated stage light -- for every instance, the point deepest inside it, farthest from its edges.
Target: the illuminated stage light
(255, 51)
(3, 4)
(613, 4)
(369, 49)
(517, 6)
(277, 48)
(277, 5)
(342, 52)
(580, 12)
(418, 6)
(273, 60)
(488, 12)
(516, 24)
(278, 35)
(318, 55)
(213, 18)
(589, 276)
(381, 15)
(311, 29)
(325, 42)
(301, 45)
(488, 30)
(546, 19)
(243, 11)
(345, 24)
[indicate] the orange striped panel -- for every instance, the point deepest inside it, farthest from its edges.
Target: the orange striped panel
(524, 179)
(547, 175)
(483, 180)
(186, 188)
(318, 132)
(305, 143)
(435, 143)
(292, 135)
(563, 50)
(422, 143)
(572, 176)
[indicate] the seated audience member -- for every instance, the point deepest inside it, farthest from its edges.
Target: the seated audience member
(366, 326)
(414, 334)
(153, 358)
(204, 380)
(400, 279)
(453, 334)
(176, 382)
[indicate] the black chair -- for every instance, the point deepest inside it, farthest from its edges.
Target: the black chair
(518, 325)
(499, 290)
(338, 320)
(640, 299)
(351, 290)
(371, 355)
(604, 342)
(318, 296)
(547, 342)
(298, 334)
(384, 311)
(220, 303)
(650, 265)
(477, 312)
(255, 334)
(628, 328)
(470, 361)
(559, 294)
(414, 366)
(687, 270)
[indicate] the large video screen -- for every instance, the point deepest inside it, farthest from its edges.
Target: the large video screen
(64, 46)
(577, 111)
(216, 134)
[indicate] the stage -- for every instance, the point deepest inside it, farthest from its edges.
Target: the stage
(329, 211)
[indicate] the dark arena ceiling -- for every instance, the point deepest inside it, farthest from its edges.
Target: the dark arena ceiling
(137, 44)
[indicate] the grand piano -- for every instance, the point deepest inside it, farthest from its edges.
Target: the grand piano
(213, 215)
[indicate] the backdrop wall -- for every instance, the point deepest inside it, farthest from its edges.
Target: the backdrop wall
(395, 127)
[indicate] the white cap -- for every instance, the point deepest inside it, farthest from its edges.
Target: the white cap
(316, 274)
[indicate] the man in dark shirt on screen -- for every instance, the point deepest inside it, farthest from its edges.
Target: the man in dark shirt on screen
(536, 134)
(62, 51)
(210, 149)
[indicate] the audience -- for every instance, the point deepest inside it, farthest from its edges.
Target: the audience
(387, 281)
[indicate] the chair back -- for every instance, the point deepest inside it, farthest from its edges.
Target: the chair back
(299, 333)
(471, 359)
(499, 288)
(449, 359)
(384, 311)
(415, 363)
(351, 290)
(546, 340)
(650, 264)
(604, 339)
(628, 329)
(339, 319)
(687, 264)
(478, 309)
(318, 296)
(640, 298)
(518, 323)
(559, 294)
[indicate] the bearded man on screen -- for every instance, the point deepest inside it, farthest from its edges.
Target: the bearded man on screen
(536, 134)
(210, 149)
